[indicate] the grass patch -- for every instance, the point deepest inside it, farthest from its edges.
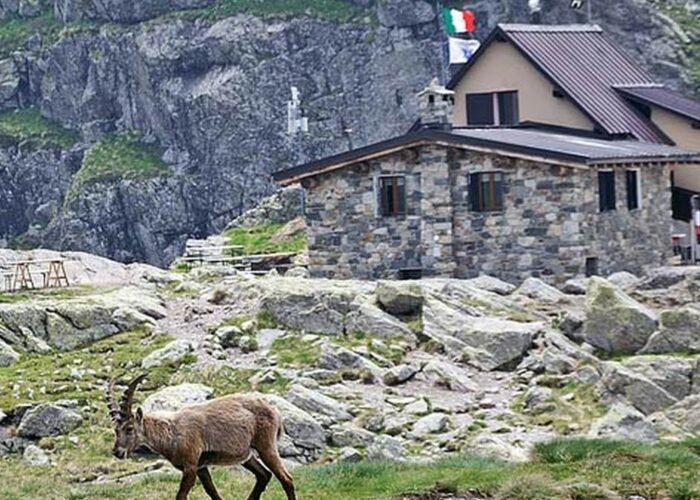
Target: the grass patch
(333, 10)
(117, 157)
(294, 350)
(14, 31)
(384, 348)
(33, 130)
(572, 404)
(228, 380)
(258, 239)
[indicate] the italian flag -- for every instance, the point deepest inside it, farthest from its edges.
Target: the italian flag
(458, 21)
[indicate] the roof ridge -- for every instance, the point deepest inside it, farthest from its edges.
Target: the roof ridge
(551, 28)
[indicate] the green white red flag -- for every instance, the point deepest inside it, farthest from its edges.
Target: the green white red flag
(458, 21)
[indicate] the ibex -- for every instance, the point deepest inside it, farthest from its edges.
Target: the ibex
(224, 431)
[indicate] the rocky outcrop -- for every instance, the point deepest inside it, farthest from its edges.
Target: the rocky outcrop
(177, 397)
(614, 321)
(48, 420)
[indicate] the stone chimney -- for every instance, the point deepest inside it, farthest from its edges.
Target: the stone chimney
(435, 105)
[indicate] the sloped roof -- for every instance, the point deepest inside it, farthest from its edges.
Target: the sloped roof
(663, 97)
(520, 142)
(586, 66)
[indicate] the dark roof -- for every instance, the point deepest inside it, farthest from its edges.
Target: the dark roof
(586, 66)
(561, 148)
(664, 98)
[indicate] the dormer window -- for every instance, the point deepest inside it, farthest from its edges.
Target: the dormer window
(493, 108)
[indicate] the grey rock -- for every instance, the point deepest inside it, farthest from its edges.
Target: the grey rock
(349, 455)
(672, 374)
(335, 357)
(9, 83)
(686, 414)
(448, 375)
(35, 456)
(170, 354)
(387, 448)
(302, 428)
(298, 272)
(639, 391)
(48, 420)
(349, 435)
(435, 423)
(323, 407)
(419, 407)
(679, 331)
(537, 399)
(403, 13)
(370, 319)
(623, 422)
(228, 336)
(489, 445)
(624, 280)
(614, 321)
(8, 355)
(400, 297)
(491, 284)
(398, 374)
(536, 289)
(575, 286)
(284, 205)
(176, 397)
(13, 445)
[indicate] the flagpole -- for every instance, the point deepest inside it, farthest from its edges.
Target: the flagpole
(445, 46)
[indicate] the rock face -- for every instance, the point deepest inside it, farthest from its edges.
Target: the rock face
(171, 353)
(679, 332)
(48, 420)
(614, 321)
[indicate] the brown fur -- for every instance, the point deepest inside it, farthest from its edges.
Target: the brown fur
(227, 431)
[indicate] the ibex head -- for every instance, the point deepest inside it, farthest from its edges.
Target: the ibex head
(128, 426)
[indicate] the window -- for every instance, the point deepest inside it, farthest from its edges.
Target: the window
(494, 108)
(606, 190)
(633, 189)
(392, 195)
(486, 191)
(480, 109)
(591, 266)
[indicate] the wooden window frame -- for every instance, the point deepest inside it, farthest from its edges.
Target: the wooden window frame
(490, 204)
(398, 195)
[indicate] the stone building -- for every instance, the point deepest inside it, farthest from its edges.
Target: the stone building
(508, 202)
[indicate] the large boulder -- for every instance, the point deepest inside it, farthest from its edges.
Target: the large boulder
(686, 414)
(399, 374)
(614, 321)
(172, 353)
(673, 374)
(387, 448)
(325, 408)
(448, 375)
(35, 456)
(176, 397)
(619, 381)
(304, 431)
(679, 332)
(435, 423)
(491, 284)
(400, 297)
(48, 419)
(539, 291)
(623, 422)
(370, 319)
(8, 355)
(334, 357)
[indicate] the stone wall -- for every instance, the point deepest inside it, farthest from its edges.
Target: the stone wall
(549, 226)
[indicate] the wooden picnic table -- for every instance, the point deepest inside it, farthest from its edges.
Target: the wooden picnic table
(20, 278)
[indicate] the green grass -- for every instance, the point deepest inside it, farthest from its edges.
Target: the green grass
(31, 129)
(385, 348)
(117, 157)
(15, 31)
(333, 10)
(258, 239)
(293, 350)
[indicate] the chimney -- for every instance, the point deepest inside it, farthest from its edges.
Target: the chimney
(435, 105)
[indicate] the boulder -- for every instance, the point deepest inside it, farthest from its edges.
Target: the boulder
(8, 355)
(435, 423)
(614, 321)
(623, 422)
(298, 272)
(172, 353)
(575, 286)
(624, 280)
(679, 331)
(177, 397)
(635, 389)
(334, 357)
(370, 319)
(400, 297)
(327, 409)
(35, 456)
(491, 446)
(13, 445)
(538, 399)
(349, 455)
(673, 374)
(538, 290)
(9, 83)
(48, 419)
(449, 376)
(387, 448)
(398, 374)
(491, 284)
(686, 414)
(304, 431)
(350, 435)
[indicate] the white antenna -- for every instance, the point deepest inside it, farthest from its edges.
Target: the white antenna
(296, 122)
